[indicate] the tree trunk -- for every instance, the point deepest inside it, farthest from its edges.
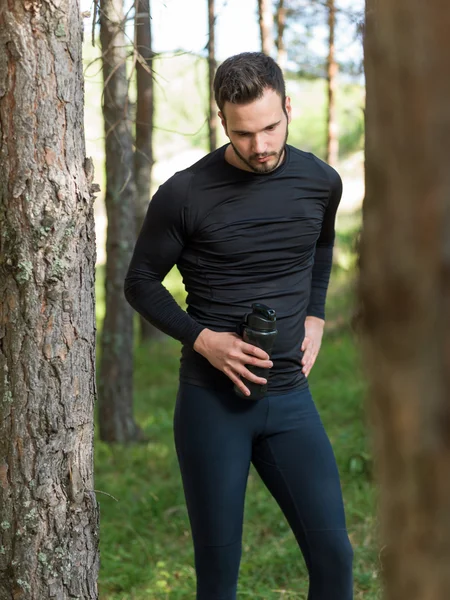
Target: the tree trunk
(281, 24)
(332, 71)
(48, 509)
(116, 369)
(143, 158)
(405, 288)
(266, 25)
(212, 65)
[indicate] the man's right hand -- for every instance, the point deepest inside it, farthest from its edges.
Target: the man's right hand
(229, 353)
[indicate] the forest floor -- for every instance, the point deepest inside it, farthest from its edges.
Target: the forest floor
(146, 546)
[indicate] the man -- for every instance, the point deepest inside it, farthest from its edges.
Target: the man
(251, 222)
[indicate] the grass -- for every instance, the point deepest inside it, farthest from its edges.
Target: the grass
(146, 550)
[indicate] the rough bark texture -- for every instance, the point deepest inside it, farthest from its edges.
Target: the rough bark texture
(405, 287)
(280, 18)
(266, 25)
(212, 65)
(116, 369)
(143, 157)
(332, 71)
(48, 510)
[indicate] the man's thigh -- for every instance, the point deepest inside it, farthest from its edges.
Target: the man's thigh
(296, 462)
(213, 437)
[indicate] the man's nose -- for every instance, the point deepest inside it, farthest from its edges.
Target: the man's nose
(259, 144)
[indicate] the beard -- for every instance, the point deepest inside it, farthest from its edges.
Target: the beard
(265, 167)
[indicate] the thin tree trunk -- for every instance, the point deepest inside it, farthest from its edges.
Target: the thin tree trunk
(266, 25)
(405, 288)
(48, 509)
(281, 24)
(116, 369)
(212, 65)
(143, 158)
(332, 71)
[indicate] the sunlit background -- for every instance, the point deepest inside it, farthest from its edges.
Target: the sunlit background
(179, 29)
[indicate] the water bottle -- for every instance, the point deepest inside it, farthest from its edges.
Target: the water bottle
(258, 328)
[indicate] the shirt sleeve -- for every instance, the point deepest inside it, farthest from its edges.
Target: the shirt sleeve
(323, 258)
(158, 248)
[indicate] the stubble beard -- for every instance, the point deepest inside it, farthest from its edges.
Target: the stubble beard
(265, 167)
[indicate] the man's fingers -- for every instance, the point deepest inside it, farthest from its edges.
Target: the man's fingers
(309, 360)
(305, 344)
(252, 377)
(308, 353)
(257, 362)
(237, 380)
(309, 363)
(259, 358)
(240, 355)
(254, 351)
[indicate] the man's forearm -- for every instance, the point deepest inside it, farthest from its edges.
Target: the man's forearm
(152, 300)
(320, 278)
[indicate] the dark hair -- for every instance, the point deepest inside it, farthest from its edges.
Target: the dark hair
(244, 77)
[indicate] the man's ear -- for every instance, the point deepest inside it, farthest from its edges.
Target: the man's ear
(223, 121)
(288, 108)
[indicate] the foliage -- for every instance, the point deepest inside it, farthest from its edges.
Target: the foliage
(307, 36)
(308, 126)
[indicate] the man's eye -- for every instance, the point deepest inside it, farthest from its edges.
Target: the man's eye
(243, 134)
(270, 128)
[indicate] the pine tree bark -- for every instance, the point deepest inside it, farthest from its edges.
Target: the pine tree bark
(48, 509)
(405, 288)
(116, 423)
(280, 18)
(332, 72)
(266, 25)
(143, 158)
(212, 65)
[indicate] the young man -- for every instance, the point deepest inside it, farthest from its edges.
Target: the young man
(251, 222)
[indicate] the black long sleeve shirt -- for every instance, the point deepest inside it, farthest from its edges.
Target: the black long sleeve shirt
(238, 237)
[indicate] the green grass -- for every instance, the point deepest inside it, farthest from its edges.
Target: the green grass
(146, 550)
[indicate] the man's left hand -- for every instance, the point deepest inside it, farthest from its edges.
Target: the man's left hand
(311, 344)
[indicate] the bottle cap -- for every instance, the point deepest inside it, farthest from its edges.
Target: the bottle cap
(262, 318)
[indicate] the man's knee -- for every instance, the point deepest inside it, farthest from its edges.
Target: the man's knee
(332, 549)
(342, 550)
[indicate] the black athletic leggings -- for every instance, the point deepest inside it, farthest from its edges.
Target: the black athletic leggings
(217, 435)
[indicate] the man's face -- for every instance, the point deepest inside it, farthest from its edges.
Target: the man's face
(257, 131)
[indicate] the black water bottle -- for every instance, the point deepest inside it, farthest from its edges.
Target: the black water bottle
(259, 328)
